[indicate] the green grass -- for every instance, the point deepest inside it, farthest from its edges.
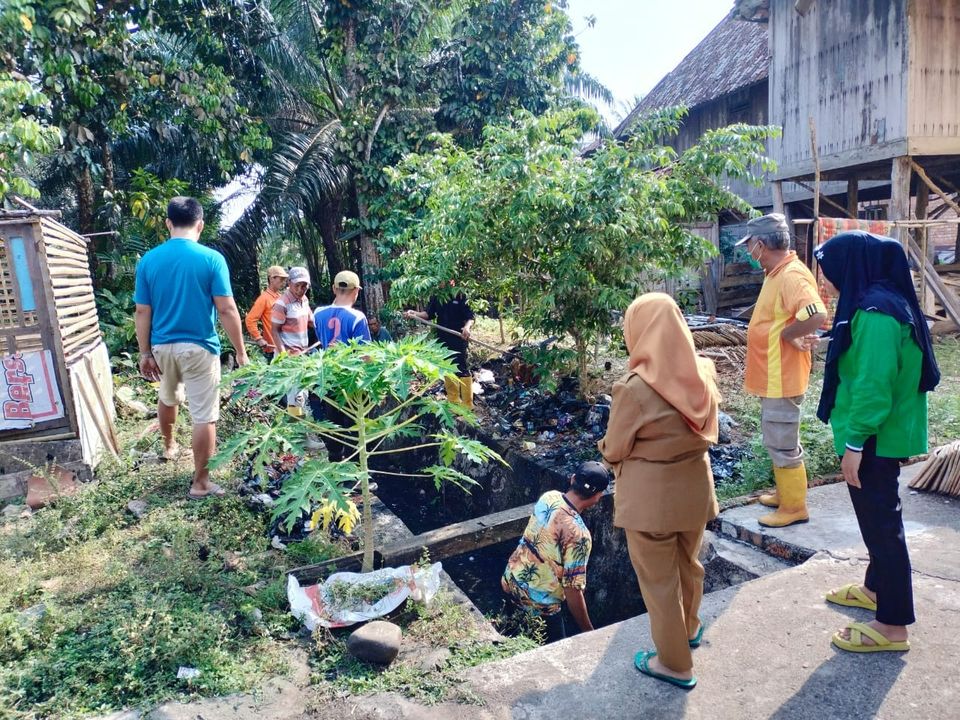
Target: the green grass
(944, 402)
(126, 602)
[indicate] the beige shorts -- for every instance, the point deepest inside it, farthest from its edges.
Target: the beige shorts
(188, 370)
(780, 424)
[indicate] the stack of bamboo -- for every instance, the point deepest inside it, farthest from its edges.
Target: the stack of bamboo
(734, 356)
(941, 473)
(718, 335)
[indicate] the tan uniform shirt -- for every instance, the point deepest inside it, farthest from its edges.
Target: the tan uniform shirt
(663, 477)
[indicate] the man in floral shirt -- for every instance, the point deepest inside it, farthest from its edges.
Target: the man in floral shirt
(549, 565)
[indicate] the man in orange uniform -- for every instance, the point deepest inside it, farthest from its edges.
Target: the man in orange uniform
(780, 341)
(262, 309)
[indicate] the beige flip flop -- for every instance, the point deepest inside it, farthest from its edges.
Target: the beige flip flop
(214, 491)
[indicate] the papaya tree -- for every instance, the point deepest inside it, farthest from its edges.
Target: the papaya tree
(568, 236)
(384, 390)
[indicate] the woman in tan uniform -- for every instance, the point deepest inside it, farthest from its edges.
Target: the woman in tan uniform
(663, 419)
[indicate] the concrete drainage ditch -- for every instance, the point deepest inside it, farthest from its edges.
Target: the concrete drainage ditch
(612, 592)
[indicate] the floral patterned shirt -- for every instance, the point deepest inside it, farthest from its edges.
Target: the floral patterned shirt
(552, 555)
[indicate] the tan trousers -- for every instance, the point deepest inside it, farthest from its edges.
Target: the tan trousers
(780, 424)
(671, 582)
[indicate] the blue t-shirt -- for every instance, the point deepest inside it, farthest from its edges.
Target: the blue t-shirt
(339, 323)
(179, 280)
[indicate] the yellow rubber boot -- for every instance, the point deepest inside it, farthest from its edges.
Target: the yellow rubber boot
(792, 489)
(452, 385)
(466, 392)
(770, 499)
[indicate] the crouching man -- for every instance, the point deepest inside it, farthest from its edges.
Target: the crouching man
(549, 566)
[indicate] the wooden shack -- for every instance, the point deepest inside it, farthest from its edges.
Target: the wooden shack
(56, 393)
(866, 92)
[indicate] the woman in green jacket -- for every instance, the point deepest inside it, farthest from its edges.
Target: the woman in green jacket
(880, 365)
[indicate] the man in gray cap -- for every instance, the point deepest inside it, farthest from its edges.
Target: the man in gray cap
(780, 341)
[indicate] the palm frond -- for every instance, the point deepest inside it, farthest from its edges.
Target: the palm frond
(302, 175)
(584, 85)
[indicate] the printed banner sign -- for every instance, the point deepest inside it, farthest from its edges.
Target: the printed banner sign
(28, 391)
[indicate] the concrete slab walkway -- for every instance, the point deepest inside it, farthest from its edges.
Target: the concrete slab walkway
(766, 651)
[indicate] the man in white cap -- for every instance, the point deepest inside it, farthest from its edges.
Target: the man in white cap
(291, 316)
(780, 341)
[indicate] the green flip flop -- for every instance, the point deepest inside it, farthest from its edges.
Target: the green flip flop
(642, 662)
(698, 638)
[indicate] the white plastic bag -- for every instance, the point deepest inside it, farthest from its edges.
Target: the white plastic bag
(314, 604)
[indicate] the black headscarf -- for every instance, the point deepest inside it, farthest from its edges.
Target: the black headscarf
(871, 273)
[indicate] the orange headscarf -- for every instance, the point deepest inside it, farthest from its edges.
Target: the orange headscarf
(662, 353)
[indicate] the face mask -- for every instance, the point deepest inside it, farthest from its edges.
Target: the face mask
(755, 261)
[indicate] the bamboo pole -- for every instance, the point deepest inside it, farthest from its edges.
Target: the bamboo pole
(816, 168)
(454, 332)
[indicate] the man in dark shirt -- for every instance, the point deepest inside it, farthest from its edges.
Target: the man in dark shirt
(456, 315)
(378, 333)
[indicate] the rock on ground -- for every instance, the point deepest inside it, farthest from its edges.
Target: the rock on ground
(376, 642)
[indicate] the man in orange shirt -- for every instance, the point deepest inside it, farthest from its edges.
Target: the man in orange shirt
(262, 309)
(780, 341)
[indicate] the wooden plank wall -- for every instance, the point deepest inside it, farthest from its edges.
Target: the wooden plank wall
(933, 110)
(747, 105)
(84, 354)
(92, 384)
(65, 255)
(844, 63)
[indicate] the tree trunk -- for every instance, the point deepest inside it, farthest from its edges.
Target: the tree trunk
(108, 170)
(84, 189)
(374, 297)
(102, 242)
(329, 219)
(584, 380)
(308, 232)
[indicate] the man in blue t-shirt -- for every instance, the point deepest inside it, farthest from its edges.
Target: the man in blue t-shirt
(341, 322)
(180, 287)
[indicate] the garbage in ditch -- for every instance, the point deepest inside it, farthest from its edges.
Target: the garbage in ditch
(345, 598)
(559, 429)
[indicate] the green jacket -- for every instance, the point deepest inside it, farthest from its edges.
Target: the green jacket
(878, 392)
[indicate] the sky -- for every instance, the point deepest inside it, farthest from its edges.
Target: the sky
(634, 43)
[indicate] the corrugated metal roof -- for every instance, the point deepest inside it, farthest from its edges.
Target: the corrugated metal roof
(734, 55)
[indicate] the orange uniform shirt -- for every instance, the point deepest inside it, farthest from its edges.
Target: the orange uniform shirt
(260, 312)
(775, 368)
